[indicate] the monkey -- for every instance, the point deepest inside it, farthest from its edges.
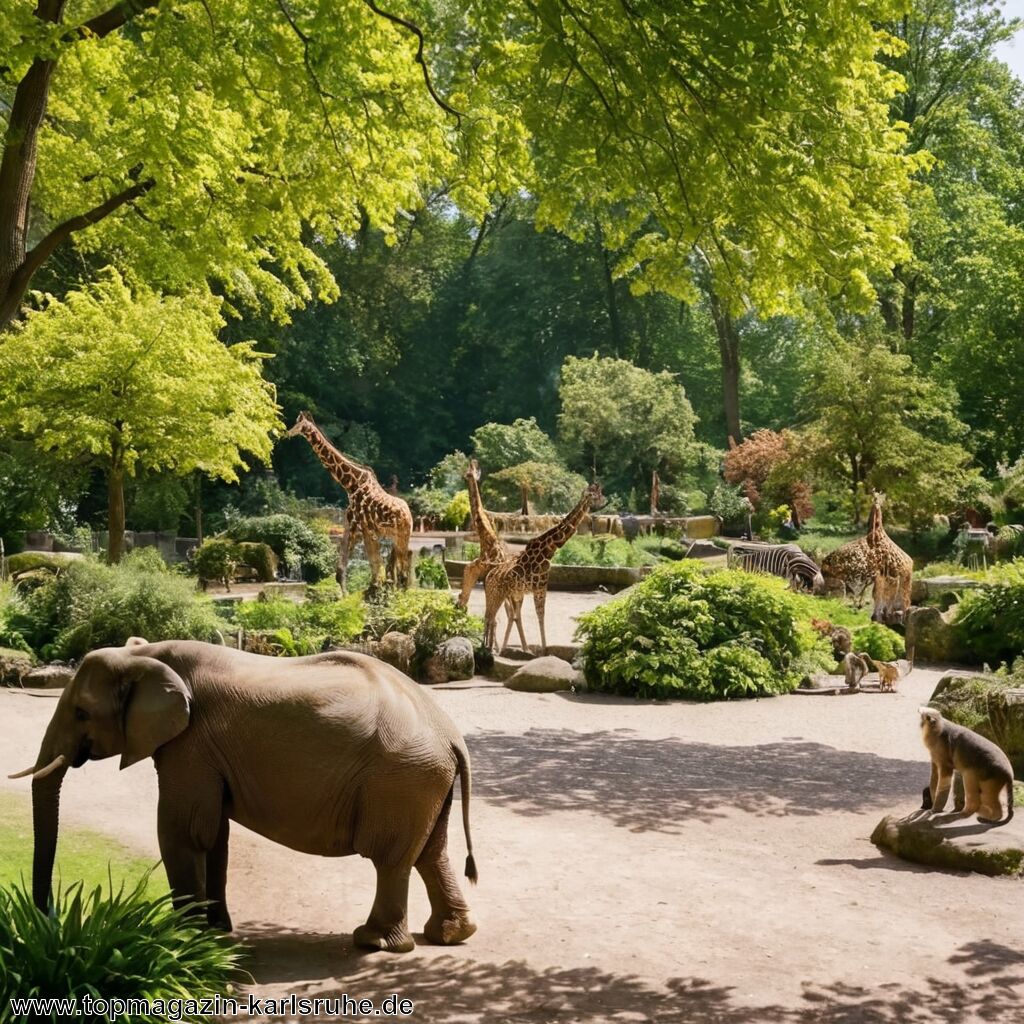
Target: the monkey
(985, 769)
(855, 668)
(888, 674)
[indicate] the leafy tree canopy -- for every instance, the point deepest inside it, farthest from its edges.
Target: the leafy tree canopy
(131, 382)
(498, 446)
(618, 417)
(203, 139)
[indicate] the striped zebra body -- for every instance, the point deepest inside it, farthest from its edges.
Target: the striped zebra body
(785, 560)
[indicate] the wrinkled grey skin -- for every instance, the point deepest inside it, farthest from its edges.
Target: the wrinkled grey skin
(331, 755)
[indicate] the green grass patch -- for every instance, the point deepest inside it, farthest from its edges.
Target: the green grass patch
(82, 855)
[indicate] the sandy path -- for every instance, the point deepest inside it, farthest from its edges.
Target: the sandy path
(639, 862)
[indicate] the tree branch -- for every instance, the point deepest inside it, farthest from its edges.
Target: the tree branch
(42, 252)
(418, 33)
(111, 20)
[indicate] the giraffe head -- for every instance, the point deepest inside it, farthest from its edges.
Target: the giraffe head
(302, 424)
(595, 496)
(473, 471)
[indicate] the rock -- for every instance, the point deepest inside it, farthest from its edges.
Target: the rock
(49, 677)
(456, 656)
(14, 666)
(544, 675)
(702, 549)
(434, 671)
(931, 636)
(396, 649)
(955, 844)
(990, 705)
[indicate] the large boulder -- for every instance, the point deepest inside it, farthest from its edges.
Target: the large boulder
(49, 677)
(931, 636)
(544, 675)
(14, 666)
(955, 844)
(991, 705)
(396, 649)
(453, 660)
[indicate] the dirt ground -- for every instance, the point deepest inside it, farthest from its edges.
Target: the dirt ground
(638, 862)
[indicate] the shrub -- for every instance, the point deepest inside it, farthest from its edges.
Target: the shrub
(327, 618)
(27, 561)
(602, 550)
(456, 512)
(116, 946)
(990, 618)
(260, 558)
(429, 616)
(292, 540)
(217, 559)
(93, 605)
(879, 642)
(431, 574)
(729, 504)
(682, 632)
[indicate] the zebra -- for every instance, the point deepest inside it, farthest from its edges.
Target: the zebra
(785, 560)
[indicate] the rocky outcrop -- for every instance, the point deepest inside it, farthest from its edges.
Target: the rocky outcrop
(453, 660)
(49, 677)
(544, 675)
(931, 636)
(954, 844)
(991, 705)
(14, 666)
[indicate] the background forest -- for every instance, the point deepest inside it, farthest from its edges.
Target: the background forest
(477, 326)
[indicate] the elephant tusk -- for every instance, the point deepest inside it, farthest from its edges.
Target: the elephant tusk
(56, 763)
(26, 771)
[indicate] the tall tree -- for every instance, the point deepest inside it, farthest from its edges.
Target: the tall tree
(126, 382)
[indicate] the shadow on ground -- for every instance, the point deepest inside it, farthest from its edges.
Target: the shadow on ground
(658, 784)
(451, 987)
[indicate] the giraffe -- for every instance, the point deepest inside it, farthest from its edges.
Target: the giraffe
(492, 551)
(894, 568)
(874, 558)
(509, 582)
(371, 512)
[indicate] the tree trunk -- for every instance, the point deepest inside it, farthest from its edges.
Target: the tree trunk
(729, 348)
(614, 317)
(115, 512)
(198, 507)
(854, 488)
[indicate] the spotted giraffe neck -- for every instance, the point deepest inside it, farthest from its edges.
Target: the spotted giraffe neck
(345, 471)
(876, 531)
(489, 543)
(551, 540)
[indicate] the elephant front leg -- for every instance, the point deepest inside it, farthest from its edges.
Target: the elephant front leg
(216, 880)
(387, 927)
(184, 862)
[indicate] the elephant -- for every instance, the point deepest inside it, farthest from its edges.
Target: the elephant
(334, 754)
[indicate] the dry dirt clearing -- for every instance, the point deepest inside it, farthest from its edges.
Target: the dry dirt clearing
(639, 862)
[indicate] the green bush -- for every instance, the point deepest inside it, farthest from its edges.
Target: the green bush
(601, 550)
(260, 558)
(682, 632)
(117, 945)
(990, 618)
(456, 512)
(292, 540)
(429, 616)
(431, 574)
(879, 642)
(217, 559)
(29, 560)
(470, 550)
(729, 504)
(93, 605)
(327, 617)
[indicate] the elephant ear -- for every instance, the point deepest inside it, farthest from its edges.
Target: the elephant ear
(156, 708)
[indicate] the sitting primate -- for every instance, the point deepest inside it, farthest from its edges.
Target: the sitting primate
(985, 769)
(855, 668)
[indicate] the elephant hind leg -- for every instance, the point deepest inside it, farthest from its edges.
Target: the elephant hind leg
(449, 921)
(387, 927)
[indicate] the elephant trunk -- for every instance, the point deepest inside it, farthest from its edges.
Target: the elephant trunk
(45, 814)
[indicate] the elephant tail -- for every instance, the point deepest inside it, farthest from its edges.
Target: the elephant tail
(462, 757)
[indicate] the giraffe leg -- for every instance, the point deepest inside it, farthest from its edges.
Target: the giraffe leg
(494, 602)
(510, 616)
(346, 550)
(539, 599)
(473, 572)
(372, 546)
(518, 611)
